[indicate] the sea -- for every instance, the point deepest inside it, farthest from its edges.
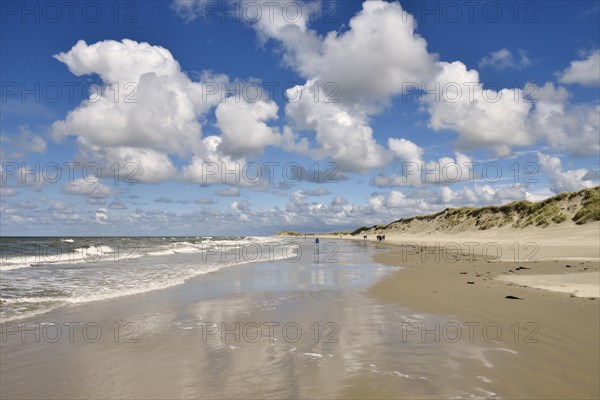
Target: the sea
(40, 274)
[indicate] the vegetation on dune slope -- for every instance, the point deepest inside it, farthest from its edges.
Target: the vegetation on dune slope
(591, 207)
(289, 233)
(580, 207)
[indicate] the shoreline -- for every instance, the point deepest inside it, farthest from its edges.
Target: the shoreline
(164, 344)
(371, 304)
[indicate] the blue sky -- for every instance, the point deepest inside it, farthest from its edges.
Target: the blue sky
(499, 102)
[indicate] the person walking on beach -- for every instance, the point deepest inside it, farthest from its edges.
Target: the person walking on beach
(317, 241)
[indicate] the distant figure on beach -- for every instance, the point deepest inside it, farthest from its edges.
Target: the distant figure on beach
(317, 241)
(365, 237)
(382, 237)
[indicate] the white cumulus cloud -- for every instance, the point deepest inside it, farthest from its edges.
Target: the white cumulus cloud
(563, 181)
(504, 59)
(584, 72)
(92, 188)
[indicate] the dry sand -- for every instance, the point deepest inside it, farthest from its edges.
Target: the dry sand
(582, 284)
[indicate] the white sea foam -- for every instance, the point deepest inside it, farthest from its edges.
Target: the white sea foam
(106, 279)
(161, 252)
(13, 265)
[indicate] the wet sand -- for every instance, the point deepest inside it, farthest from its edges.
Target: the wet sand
(169, 343)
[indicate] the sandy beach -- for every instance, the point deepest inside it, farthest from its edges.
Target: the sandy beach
(347, 323)
(553, 331)
(235, 333)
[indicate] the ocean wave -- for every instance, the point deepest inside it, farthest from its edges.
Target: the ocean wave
(11, 266)
(48, 303)
(94, 249)
(106, 280)
(44, 256)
